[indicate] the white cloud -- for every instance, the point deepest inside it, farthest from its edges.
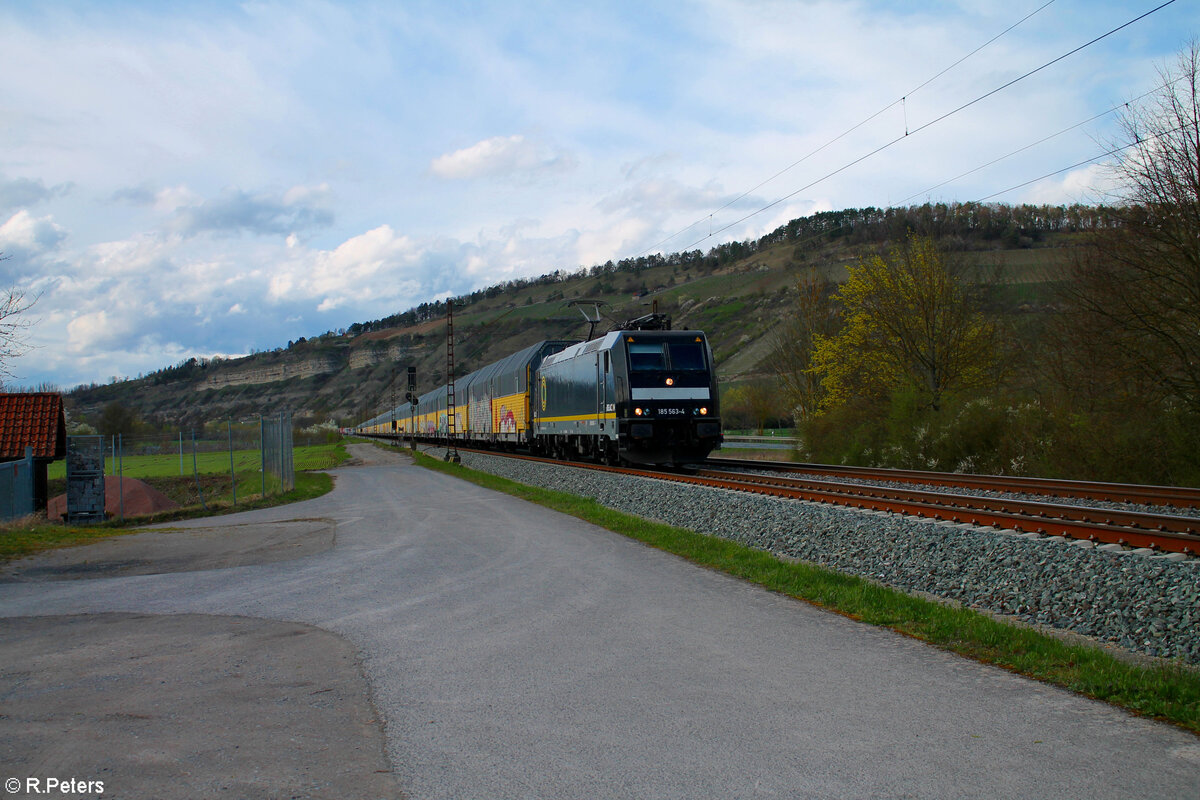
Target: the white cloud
(1091, 184)
(26, 235)
(319, 195)
(223, 191)
(378, 263)
(173, 198)
(779, 216)
(623, 236)
(97, 330)
(500, 155)
(263, 213)
(144, 258)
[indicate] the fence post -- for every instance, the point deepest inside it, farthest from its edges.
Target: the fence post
(232, 473)
(121, 475)
(28, 496)
(196, 473)
(286, 454)
(262, 452)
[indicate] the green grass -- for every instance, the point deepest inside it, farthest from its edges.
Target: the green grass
(1161, 691)
(753, 453)
(162, 472)
(324, 456)
(17, 541)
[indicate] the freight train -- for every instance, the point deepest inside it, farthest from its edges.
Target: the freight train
(640, 394)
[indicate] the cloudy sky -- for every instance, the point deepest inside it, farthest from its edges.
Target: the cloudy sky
(209, 178)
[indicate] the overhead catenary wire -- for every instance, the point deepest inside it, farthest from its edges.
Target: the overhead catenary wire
(849, 130)
(1068, 54)
(933, 122)
(1076, 165)
(1087, 161)
(1043, 140)
(1008, 155)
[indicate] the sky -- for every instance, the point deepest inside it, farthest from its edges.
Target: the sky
(214, 179)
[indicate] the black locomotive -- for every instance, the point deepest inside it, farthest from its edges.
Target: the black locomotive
(640, 394)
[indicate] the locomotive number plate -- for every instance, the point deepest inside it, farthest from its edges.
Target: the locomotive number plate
(669, 412)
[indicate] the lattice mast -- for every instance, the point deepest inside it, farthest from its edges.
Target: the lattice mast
(451, 427)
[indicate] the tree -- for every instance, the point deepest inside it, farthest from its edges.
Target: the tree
(762, 401)
(909, 322)
(753, 404)
(117, 419)
(13, 325)
(1136, 289)
(792, 348)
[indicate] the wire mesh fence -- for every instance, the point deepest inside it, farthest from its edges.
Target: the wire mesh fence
(218, 464)
(277, 455)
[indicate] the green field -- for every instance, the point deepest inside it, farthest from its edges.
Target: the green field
(324, 456)
(23, 538)
(211, 490)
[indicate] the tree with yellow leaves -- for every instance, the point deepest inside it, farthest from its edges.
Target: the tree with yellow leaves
(909, 323)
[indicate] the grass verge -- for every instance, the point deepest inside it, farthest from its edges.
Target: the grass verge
(168, 465)
(1161, 691)
(22, 538)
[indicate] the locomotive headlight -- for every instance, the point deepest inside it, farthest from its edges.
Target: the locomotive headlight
(670, 381)
(637, 412)
(703, 411)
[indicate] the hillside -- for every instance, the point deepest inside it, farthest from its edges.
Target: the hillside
(737, 292)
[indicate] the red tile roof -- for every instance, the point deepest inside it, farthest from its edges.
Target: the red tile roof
(32, 420)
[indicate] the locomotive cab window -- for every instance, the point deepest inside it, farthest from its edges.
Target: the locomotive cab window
(662, 356)
(686, 355)
(646, 356)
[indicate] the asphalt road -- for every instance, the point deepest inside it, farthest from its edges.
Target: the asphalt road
(516, 653)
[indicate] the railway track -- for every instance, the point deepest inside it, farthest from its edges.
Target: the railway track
(1177, 496)
(1133, 529)
(1166, 532)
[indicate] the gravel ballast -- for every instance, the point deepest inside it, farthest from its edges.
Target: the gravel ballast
(1148, 605)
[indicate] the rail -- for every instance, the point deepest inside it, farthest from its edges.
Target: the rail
(1161, 532)
(1178, 496)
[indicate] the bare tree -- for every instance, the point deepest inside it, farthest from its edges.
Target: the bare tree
(1137, 288)
(14, 325)
(763, 400)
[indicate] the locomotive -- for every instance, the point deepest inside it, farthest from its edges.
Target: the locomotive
(640, 394)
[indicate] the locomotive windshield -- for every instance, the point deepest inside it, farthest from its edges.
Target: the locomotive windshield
(646, 356)
(686, 355)
(659, 356)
